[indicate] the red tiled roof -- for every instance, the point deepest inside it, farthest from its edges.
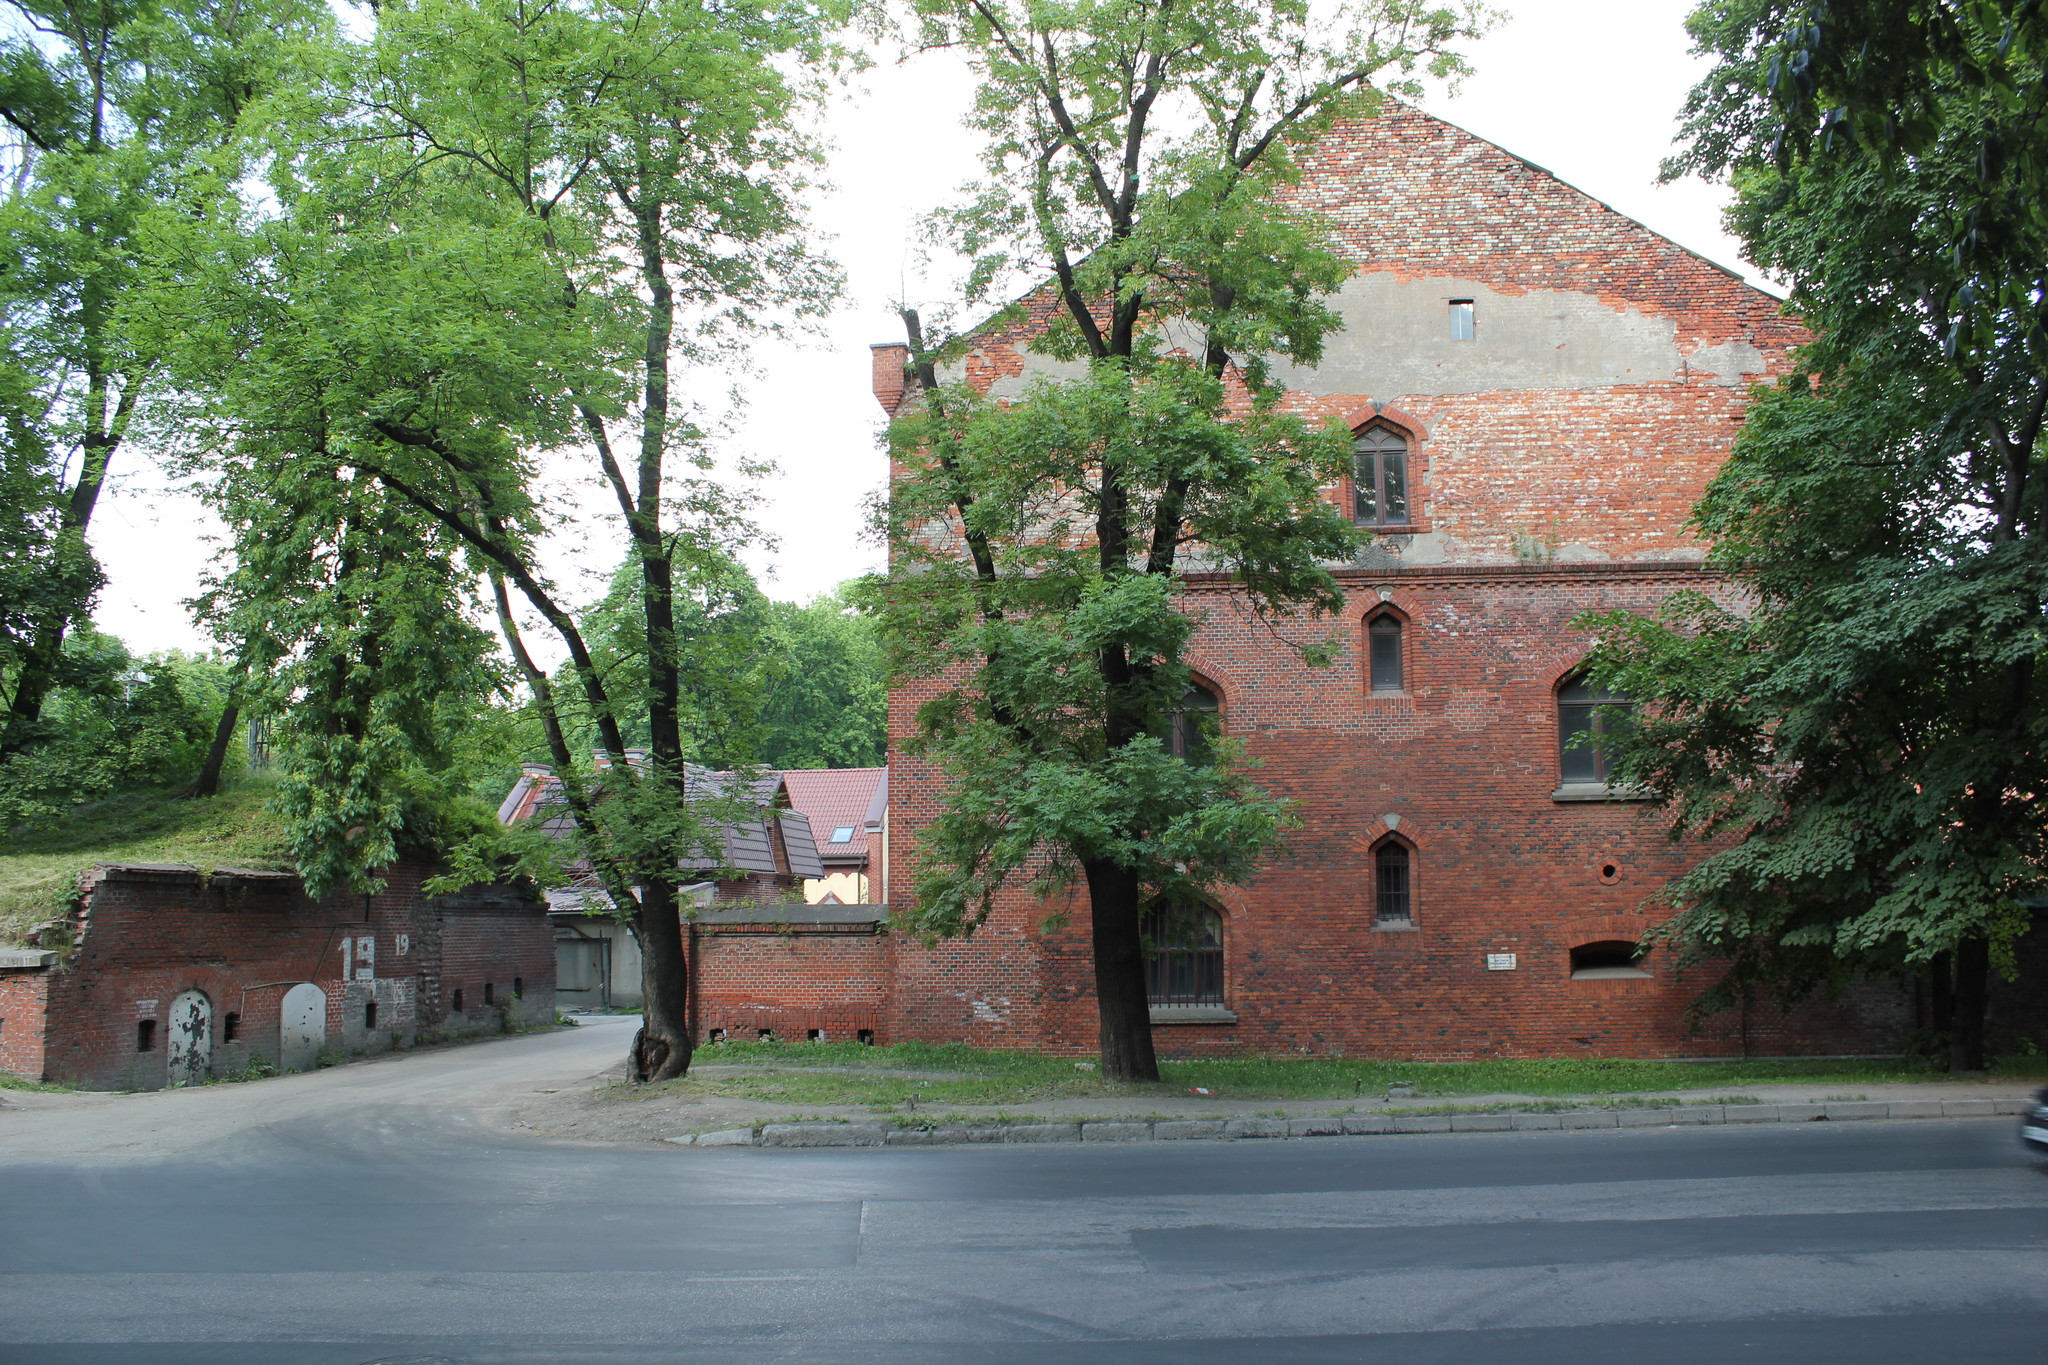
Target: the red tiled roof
(835, 798)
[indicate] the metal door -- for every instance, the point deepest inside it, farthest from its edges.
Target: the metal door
(302, 1028)
(191, 1045)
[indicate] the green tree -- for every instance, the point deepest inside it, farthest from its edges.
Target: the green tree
(1865, 738)
(830, 707)
(1133, 151)
(506, 238)
(119, 112)
(729, 654)
(117, 722)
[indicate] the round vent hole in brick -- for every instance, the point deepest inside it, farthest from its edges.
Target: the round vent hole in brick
(1606, 959)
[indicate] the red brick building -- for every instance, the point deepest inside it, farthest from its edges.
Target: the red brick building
(165, 975)
(1540, 389)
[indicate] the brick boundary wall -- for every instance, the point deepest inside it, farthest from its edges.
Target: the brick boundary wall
(789, 979)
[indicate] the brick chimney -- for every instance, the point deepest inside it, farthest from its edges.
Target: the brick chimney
(890, 358)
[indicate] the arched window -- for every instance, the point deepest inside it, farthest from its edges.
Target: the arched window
(1379, 477)
(1184, 955)
(1383, 652)
(1584, 708)
(1393, 900)
(1195, 726)
(1608, 958)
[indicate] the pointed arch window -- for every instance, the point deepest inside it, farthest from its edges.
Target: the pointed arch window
(1393, 883)
(1195, 726)
(1379, 477)
(1383, 653)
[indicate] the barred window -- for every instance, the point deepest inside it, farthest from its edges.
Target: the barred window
(1394, 902)
(1184, 956)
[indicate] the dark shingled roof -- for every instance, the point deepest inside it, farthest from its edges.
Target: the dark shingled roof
(746, 845)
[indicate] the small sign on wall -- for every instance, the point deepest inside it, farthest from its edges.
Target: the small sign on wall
(1500, 962)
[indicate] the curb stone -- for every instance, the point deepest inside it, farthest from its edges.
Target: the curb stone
(1115, 1132)
(1167, 1130)
(1327, 1126)
(1174, 1129)
(822, 1135)
(1042, 1132)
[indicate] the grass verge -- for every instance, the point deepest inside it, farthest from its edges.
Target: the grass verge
(39, 869)
(953, 1074)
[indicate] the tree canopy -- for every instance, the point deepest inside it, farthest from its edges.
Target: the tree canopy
(1861, 730)
(122, 115)
(501, 245)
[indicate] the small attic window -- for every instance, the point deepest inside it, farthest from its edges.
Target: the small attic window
(842, 834)
(1461, 320)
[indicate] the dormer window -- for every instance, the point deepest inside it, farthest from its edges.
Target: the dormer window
(842, 834)
(1379, 478)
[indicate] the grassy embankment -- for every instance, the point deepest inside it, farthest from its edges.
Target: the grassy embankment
(39, 869)
(951, 1074)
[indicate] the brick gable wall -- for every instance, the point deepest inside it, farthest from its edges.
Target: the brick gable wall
(1556, 458)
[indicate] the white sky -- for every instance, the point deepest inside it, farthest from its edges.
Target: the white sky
(1587, 89)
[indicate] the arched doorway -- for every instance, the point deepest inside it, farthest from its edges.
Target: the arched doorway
(191, 1043)
(302, 1028)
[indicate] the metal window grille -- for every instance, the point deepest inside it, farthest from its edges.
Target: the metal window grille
(1390, 866)
(1184, 961)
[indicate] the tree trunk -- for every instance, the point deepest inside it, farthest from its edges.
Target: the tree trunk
(1941, 996)
(208, 781)
(38, 676)
(1973, 972)
(1126, 1017)
(661, 1050)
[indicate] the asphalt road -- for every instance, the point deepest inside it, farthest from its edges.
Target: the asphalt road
(363, 1215)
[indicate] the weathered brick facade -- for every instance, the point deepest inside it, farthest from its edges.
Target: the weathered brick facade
(373, 973)
(1554, 457)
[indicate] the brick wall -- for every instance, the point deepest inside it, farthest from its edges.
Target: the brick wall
(1554, 461)
(147, 935)
(22, 1002)
(791, 979)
